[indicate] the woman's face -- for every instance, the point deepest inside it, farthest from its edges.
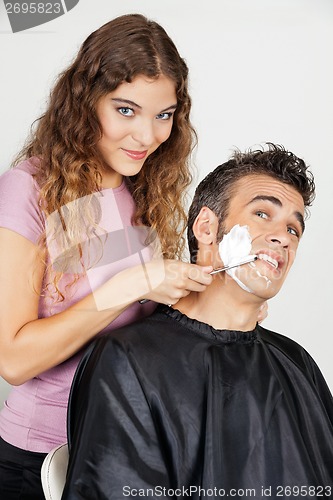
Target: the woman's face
(135, 119)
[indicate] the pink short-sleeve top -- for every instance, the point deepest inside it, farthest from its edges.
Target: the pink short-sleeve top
(34, 414)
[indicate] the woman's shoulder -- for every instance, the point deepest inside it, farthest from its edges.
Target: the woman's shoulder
(19, 201)
(24, 171)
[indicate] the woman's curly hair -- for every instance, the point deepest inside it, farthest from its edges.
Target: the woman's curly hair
(66, 136)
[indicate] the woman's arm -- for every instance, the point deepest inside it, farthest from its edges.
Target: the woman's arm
(29, 346)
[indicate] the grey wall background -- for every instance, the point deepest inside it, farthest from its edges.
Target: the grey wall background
(261, 70)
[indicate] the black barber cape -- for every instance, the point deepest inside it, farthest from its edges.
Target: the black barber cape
(171, 407)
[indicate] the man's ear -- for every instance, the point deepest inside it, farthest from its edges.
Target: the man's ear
(205, 226)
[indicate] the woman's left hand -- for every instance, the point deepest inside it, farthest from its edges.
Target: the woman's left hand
(263, 312)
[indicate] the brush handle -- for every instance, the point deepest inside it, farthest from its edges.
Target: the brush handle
(252, 258)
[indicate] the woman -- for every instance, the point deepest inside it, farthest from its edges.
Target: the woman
(110, 153)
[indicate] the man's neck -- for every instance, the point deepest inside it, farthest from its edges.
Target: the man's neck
(223, 306)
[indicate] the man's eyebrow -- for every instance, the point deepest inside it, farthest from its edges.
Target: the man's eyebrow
(300, 219)
(135, 105)
(262, 197)
(278, 203)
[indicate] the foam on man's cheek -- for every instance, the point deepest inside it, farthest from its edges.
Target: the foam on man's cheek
(268, 281)
(235, 247)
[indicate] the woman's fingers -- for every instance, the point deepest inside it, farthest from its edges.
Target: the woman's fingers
(200, 274)
(170, 280)
(263, 312)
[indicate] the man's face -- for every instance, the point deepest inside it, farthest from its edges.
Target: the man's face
(274, 214)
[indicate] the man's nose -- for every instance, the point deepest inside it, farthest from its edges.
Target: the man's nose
(279, 235)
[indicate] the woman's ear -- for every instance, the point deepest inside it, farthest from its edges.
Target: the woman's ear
(205, 226)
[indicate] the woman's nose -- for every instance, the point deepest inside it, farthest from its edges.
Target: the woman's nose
(144, 133)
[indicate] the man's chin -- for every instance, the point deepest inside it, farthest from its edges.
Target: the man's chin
(264, 294)
(264, 290)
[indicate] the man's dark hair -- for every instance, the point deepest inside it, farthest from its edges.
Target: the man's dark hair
(217, 188)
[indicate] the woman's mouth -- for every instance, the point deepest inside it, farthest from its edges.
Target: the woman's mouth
(135, 155)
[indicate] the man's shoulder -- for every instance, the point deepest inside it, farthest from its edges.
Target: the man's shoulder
(273, 337)
(149, 330)
(287, 347)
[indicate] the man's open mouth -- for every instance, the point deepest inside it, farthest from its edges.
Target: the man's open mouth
(267, 258)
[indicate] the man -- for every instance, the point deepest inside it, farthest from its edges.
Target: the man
(199, 400)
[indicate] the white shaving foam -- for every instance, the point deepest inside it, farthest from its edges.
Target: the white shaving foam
(268, 281)
(235, 247)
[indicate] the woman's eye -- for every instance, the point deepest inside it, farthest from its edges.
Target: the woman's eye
(164, 116)
(261, 214)
(126, 111)
(293, 231)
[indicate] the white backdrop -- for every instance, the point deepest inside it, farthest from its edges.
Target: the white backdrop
(261, 70)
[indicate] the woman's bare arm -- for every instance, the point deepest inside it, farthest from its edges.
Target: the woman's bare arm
(29, 346)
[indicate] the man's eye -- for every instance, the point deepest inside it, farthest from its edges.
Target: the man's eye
(126, 111)
(164, 116)
(261, 214)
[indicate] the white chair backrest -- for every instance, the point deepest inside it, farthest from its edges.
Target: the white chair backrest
(53, 472)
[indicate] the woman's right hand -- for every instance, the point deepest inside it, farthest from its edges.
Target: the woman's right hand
(29, 345)
(167, 281)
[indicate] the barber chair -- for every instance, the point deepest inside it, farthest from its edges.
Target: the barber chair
(53, 472)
